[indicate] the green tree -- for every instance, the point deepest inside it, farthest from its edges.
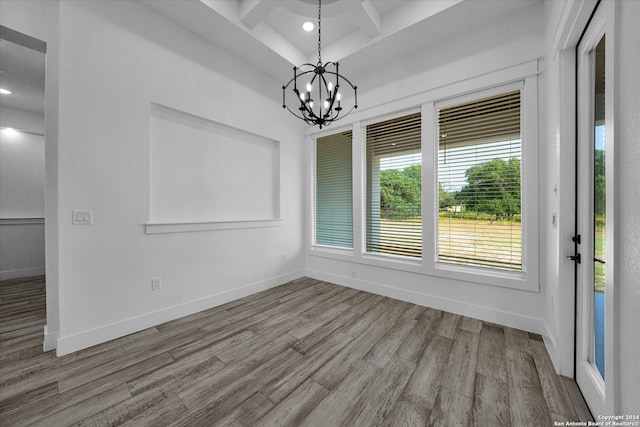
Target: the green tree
(599, 183)
(446, 198)
(400, 192)
(493, 187)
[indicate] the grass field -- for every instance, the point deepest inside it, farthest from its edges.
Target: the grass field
(473, 242)
(461, 240)
(480, 242)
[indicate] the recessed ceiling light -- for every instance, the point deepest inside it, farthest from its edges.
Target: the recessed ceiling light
(5, 91)
(9, 132)
(308, 26)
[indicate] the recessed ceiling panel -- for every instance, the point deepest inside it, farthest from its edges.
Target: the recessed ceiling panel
(22, 72)
(289, 26)
(355, 32)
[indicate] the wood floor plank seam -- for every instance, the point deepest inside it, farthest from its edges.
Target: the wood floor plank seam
(307, 353)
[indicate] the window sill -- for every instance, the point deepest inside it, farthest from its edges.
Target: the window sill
(21, 221)
(486, 276)
(375, 260)
(505, 279)
(186, 227)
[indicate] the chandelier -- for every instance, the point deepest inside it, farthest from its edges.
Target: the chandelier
(323, 81)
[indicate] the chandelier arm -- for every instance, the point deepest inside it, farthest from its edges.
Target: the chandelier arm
(355, 90)
(307, 111)
(331, 98)
(295, 89)
(303, 106)
(338, 117)
(340, 76)
(302, 117)
(301, 74)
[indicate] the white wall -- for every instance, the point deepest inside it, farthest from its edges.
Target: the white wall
(21, 194)
(563, 23)
(462, 57)
(627, 220)
(39, 19)
(21, 164)
(116, 58)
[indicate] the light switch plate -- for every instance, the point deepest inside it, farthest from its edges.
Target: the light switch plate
(81, 217)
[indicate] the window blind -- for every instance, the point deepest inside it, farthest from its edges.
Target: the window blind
(394, 183)
(334, 199)
(479, 175)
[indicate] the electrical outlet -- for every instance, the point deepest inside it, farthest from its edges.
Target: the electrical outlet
(155, 284)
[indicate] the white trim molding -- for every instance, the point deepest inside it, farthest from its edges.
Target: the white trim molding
(70, 343)
(487, 314)
(21, 221)
(185, 227)
(23, 272)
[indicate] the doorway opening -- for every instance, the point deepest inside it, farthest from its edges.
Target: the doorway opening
(22, 170)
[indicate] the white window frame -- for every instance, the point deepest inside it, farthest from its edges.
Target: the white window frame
(314, 167)
(363, 128)
(529, 192)
(523, 76)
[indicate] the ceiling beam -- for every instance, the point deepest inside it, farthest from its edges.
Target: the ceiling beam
(368, 18)
(252, 12)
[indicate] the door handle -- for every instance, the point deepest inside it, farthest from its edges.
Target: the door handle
(577, 258)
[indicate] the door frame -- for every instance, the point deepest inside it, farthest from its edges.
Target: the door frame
(599, 394)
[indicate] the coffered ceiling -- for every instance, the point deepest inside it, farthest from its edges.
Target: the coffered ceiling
(268, 34)
(359, 33)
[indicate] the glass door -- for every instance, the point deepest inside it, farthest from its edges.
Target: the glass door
(593, 326)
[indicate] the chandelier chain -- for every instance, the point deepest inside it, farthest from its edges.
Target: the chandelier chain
(319, 44)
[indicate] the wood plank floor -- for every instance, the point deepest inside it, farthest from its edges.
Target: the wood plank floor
(304, 353)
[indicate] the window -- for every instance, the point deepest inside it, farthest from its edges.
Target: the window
(479, 180)
(441, 184)
(394, 186)
(334, 199)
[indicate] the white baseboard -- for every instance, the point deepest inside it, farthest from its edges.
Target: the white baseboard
(550, 344)
(488, 314)
(78, 341)
(50, 339)
(24, 272)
